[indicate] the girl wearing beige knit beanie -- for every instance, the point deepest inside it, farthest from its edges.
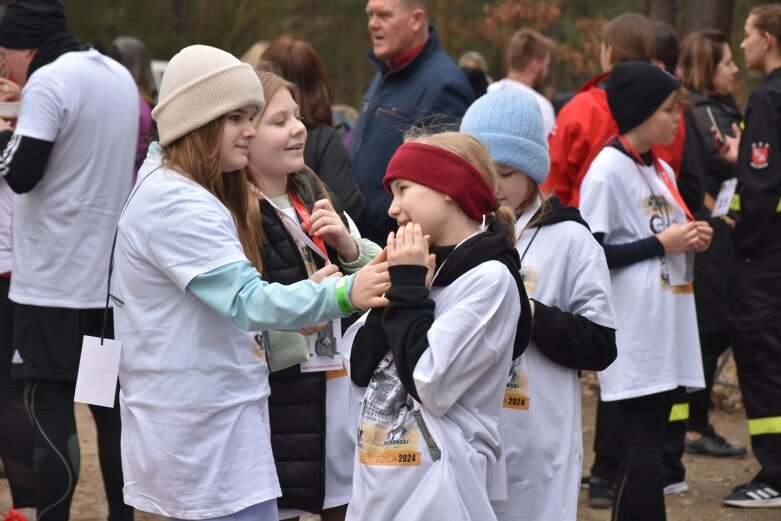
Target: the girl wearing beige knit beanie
(192, 311)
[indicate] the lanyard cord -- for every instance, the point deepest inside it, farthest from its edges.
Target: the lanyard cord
(661, 172)
(530, 244)
(109, 296)
(306, 222)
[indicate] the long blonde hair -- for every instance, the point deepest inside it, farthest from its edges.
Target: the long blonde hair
(474, 152)
(197, 156)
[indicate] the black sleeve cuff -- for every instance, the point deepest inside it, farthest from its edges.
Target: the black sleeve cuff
(408, 275)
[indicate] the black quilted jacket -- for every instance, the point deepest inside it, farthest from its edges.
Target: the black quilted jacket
(297, 401)
(711, 267)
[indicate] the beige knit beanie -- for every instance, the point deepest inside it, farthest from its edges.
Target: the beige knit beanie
(201, 84)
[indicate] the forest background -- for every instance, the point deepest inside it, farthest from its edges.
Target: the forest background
(337, 29)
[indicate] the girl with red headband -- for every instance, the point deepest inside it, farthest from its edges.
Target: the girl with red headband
(431, 367)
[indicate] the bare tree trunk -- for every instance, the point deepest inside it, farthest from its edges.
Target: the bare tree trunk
(694, 16)
(720, 14)
(662, 11)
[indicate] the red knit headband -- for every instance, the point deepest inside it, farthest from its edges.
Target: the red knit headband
(444, 172)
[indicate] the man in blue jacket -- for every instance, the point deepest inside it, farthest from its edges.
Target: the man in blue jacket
(415, 80)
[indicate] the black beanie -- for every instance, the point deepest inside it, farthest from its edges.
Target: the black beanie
(26, 24)
(635, 90)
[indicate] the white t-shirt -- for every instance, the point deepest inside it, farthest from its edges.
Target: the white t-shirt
(460, 380)
(548, 114)
(7, 197)
(194, 387)
(540, 426)
(87, 105)
(657, 338)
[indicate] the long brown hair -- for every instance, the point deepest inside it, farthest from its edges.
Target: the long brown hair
(701, 52)
(470, 149)
(299, 63)
(197, 156)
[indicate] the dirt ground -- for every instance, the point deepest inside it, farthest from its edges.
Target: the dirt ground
(709, 478)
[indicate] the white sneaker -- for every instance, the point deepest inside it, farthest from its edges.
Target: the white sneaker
(676, 488)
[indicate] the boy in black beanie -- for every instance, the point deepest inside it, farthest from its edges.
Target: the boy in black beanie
(630, 200)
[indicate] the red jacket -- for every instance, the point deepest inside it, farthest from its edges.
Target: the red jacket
(583, 127)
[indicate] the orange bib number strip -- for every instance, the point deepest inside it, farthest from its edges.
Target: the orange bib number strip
(516, 401)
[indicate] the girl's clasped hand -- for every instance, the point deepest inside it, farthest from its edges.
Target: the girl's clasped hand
(691, 236)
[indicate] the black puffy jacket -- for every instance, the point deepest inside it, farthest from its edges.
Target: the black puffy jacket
(297, 401)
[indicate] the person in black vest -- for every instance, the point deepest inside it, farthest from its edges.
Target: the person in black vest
(313, 412)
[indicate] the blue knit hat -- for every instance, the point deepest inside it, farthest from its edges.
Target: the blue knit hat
(509, 123)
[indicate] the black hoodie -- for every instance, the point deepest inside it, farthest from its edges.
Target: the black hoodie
(403, 325)
(570, 340)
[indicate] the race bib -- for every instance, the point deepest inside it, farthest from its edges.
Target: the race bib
(723, 200)
(516, 392)
(324, 349)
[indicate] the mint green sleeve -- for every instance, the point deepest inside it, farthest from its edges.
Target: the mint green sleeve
(367, 250)
(236, 291)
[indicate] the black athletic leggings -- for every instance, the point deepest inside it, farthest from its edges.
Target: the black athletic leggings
(16, 430)
(639, 486)
(57, 458)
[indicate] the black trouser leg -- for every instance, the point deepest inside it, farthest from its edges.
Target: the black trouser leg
(673, 470)
(56, 458)
(758, 359)
(639, 486)
(713, 344)
(608, 441)
(16, 429)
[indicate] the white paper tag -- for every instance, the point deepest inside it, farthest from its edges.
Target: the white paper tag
(324, 363)
(96, 382)
(726, 193)
(680, 268)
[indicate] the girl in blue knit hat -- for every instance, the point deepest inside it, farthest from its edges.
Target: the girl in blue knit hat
(566, 277)
(630, 199)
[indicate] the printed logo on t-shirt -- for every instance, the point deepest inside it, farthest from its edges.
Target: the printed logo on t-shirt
(760, 155)
(388, 434)
(17, 358)
(516, 392)
(529, 277)
(658, 210)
